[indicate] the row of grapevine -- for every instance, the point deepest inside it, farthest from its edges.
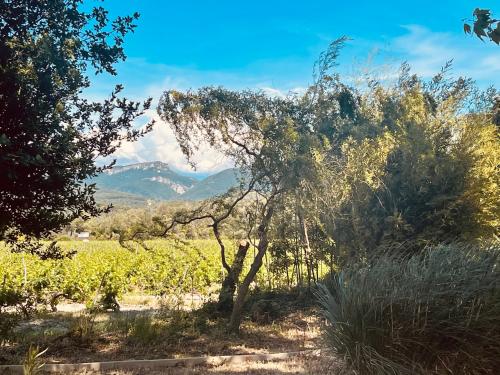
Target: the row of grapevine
(162, 267)
(107, 268)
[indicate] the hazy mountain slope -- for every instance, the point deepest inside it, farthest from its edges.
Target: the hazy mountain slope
(134, 184)
(153, 180)
(213, 185)
(119, 198)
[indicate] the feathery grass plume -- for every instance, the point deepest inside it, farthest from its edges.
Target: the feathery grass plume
(432, 313)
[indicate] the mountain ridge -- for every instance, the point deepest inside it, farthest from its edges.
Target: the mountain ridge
(157, 181)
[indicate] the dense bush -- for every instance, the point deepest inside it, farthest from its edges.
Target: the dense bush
(434, 313)
(418, 165)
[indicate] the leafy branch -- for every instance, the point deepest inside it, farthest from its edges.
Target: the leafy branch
(484, 26)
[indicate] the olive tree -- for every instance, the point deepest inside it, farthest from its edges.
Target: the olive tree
(277, 142)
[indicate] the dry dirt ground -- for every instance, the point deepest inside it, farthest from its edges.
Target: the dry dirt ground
(310, 365)
(140, 335)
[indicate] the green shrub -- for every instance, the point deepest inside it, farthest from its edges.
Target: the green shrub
(436, 313)
(7, 323)
(139, 328)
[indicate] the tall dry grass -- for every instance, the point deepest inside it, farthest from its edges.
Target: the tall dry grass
(435, 313)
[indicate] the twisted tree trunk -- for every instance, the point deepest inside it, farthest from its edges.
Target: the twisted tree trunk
(226, 295)
(235, 320)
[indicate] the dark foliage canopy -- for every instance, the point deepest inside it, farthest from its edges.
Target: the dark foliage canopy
(484, 26)
(50, 135)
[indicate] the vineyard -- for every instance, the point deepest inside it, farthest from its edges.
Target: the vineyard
(104, 267)
(101, 273)
(107, 270)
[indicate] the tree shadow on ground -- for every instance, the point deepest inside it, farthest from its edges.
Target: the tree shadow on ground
(168, 333)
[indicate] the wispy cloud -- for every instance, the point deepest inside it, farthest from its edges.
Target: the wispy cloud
(427, 51)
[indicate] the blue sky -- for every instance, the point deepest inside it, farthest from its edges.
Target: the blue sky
(272, 45)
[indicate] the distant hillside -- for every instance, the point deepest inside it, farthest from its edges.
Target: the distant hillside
(134, 184)
(119, 198)
(213, 185)
(153, 180)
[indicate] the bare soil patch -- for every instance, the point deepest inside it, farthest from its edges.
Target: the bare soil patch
(310, 365)
(140, 334)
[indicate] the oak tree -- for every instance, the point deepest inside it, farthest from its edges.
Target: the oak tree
(50, 135)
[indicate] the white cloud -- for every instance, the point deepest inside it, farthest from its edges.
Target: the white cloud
(427, 51)
(160, 144)
(279, 93)
(142, 80)
(271, 91)
(491, 63)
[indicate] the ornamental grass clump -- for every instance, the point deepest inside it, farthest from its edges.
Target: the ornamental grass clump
(433, 313)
